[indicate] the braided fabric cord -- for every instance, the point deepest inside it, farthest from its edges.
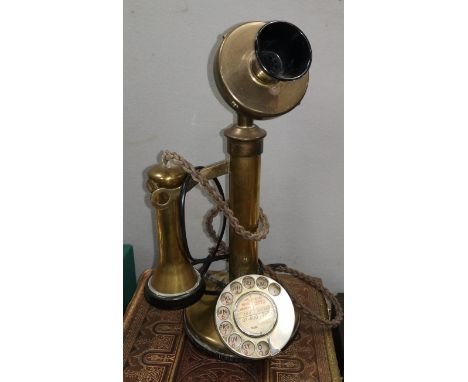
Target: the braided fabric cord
(316, 284)
(263, 226)
(261, 233)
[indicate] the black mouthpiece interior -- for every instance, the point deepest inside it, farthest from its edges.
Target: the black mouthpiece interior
(283, 50)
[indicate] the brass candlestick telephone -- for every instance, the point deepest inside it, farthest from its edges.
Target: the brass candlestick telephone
(261, 70)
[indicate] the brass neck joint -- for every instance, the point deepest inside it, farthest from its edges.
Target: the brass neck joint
(244, 139)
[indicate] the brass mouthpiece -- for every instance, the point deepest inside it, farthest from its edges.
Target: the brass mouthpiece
(283, 51)
(262, 69)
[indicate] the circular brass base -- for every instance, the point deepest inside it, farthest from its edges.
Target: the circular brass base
(200, 326)
(200, 329)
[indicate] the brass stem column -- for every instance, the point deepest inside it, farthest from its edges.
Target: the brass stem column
(245, 146)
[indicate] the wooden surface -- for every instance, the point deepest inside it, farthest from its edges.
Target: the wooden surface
(156, 348)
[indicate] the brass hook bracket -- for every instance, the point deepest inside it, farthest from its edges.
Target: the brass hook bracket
(212, 171)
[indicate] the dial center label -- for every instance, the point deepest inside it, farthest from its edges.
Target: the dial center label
(255, 314)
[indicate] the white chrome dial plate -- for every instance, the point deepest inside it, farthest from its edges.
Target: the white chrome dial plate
(254, 316)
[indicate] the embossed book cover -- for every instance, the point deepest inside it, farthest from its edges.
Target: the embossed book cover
(156, 348)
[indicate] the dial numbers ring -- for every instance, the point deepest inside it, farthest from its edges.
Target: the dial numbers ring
(261, 315)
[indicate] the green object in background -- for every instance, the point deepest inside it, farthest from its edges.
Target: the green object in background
(129, 277)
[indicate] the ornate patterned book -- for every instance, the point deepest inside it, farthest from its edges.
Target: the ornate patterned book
(156, 349)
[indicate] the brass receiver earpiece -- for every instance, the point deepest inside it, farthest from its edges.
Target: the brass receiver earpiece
(174, 283)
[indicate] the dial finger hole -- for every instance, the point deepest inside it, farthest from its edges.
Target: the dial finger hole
(248, 282)
(248, 348)
(262, 282)
(234, 340)
(236, 288)
(226, 298)
(274, 289)
(263, 348)
(225, 328)
(222, 313)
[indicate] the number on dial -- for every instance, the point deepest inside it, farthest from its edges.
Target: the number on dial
(262, 282)
(226, 298)
(225, 328)
(248, 348)
(222, 313)
(236, 288)
(263, 348)
(248, 282)
(234, 340)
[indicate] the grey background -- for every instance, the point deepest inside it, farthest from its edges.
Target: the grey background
(170, 102)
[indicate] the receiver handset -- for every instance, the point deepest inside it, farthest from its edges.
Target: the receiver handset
(254, 316)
